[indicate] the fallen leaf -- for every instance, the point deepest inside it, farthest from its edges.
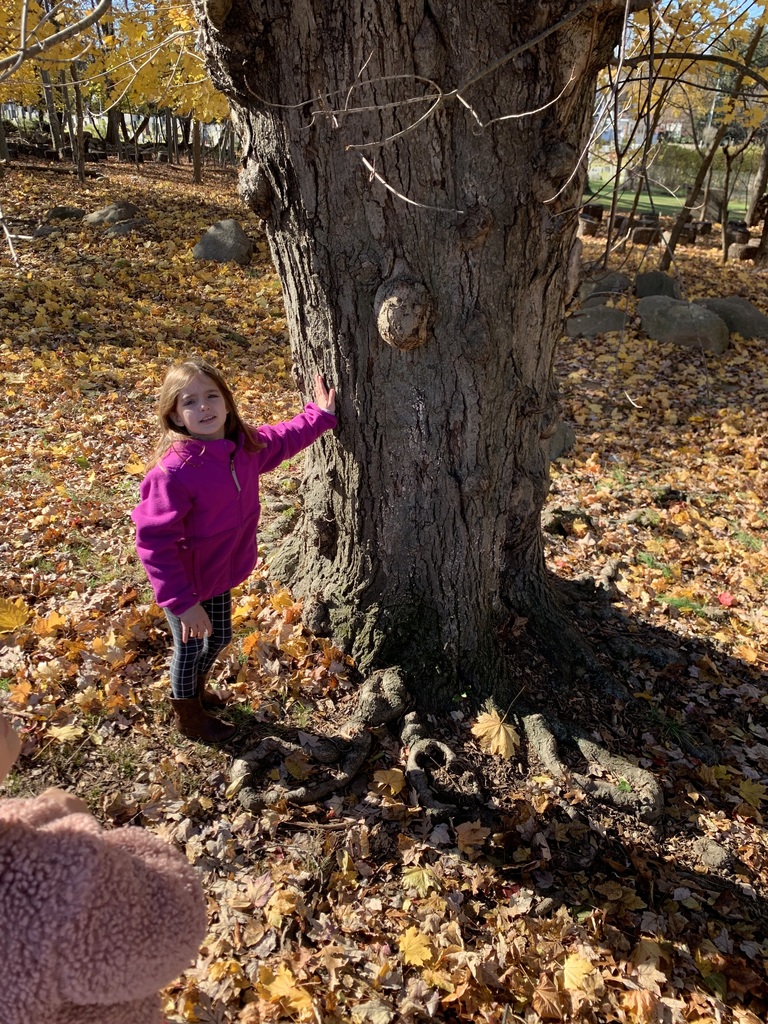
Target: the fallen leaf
(415, 948)
(13, 613)
(496, 736)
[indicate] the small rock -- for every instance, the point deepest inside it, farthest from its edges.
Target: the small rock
(64, 213)
(588, 323)
(711, 854)
(655, 282)
(223, 242)
(113, 214)
(127, 227)
(614, 283)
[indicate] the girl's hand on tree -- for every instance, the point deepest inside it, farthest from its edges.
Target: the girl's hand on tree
(324, 398)
(195, 624)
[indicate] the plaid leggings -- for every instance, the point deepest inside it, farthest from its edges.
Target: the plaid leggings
(191, 661)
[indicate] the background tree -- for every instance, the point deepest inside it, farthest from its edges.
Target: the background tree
(139, 59)
(418, 169)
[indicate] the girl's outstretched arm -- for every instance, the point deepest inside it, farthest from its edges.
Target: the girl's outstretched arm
(324, 398)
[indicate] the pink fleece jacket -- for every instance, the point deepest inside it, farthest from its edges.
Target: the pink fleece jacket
(199, 511)
(92, 923)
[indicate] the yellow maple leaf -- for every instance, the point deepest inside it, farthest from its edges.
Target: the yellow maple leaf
(134, 466)
(281, 601)
(66, 733)
(752, 792)
(575, 970)
(640, 1005)
(12, 614)
(746, 653)
(496, 736)
(49, 625)
(21, 692)
(282, 988)
(415, 948)
(420, 879)
(393, 780)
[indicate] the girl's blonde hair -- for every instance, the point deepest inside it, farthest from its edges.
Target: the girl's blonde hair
(176, 379)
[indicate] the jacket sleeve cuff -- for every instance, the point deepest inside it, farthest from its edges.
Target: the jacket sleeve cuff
(322, 414)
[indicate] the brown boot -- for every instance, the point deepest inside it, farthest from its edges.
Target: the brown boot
(210, 700)
(194, 723)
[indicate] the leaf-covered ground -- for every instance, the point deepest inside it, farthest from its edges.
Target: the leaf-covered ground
(360, 909)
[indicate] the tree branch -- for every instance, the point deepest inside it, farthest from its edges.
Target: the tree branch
(633, 62)
(9, 65)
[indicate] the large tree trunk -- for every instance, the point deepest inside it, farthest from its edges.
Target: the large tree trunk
(424, 277)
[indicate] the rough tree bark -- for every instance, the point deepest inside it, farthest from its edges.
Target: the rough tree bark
(425, 276)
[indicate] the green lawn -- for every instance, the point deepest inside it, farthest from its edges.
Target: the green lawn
(661, 202)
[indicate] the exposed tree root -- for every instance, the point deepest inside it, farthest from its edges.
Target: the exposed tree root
(637, 792)
(433, 768)
(382, 699)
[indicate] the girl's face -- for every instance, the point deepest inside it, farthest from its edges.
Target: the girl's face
(10, 745)
(202, 409)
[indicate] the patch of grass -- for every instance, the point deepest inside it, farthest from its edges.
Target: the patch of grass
(301, 714)
(42, 563)
(747, 540)
(241, 715)
(684, 604)
(11, 785)
(124, 760)
(5, 683)
(671, 727)
(646, 558)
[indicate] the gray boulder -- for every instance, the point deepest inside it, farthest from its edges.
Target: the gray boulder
(64, 213)
(588, 323)
(739, 251)
(646, 234)
(563, 439)
(127, 227)
(614, 283)
(224, 241)
(113, 214)
(588, 226)
(655, 282)
(606, 284)
(740, 316)
(682, 323)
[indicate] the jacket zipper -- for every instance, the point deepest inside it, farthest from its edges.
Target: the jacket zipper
(234, 474)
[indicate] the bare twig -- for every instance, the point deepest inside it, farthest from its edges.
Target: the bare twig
(9, 65)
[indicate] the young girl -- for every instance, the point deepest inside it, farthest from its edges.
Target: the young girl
(197, 519)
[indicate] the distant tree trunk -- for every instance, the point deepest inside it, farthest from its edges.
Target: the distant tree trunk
(79, 148)
(113, 128)
(57, 143)
(170, 133)
(186, 128)
(4, 154)
(67, 103)
(197, 163)
(758, 187)
(425, 277)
